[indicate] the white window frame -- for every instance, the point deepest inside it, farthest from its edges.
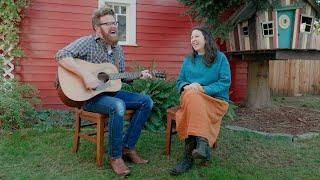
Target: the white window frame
(262, 29)
(302, 28)
(130, 19)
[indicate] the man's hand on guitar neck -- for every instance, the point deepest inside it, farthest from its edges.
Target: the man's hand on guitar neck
(145, 74)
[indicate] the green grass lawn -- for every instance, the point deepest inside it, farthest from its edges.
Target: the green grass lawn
(307, 101)
(32, 154)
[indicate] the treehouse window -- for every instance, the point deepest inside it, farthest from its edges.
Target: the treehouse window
(245, 31)
(267, 29)
(306, 24)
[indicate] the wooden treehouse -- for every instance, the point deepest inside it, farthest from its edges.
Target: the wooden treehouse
(283, 33)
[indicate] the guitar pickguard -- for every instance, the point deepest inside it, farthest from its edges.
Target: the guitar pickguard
(103, 86)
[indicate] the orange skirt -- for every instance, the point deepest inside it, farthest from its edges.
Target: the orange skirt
(200, 115)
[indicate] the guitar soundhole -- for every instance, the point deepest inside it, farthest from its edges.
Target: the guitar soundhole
(104, 77)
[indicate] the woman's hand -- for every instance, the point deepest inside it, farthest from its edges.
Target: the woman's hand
(196, 87)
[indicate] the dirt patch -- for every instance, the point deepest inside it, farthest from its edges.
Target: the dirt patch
(287, 119)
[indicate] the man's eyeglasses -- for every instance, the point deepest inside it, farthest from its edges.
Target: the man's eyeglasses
(110, 23)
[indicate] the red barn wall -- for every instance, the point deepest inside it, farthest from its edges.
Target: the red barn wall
(163, 36)
(239, 77)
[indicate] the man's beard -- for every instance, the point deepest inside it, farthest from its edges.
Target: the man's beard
(108, 39)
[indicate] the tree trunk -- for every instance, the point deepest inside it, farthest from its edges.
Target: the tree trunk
(258, 84)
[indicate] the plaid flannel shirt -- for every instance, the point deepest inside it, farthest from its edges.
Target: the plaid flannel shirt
(91, 49)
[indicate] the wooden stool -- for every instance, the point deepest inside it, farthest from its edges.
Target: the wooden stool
(171, 115)
(97, 120)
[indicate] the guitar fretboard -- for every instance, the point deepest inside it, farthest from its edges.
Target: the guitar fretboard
(125, 75)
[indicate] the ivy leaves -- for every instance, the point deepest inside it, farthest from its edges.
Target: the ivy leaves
(17, 100)
(10, 17)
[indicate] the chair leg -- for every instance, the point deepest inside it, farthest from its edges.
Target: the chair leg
(76, 137)
(168, 135)
(215, 145)
(100, 142)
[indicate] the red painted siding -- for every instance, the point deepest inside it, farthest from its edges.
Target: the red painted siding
(239, 77)
(47, 27)
(162, 36)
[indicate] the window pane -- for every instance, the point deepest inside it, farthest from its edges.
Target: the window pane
(265, 26)
(265, 32)
(116, 9)
(270, 32)
(245, 31)
(270, 25)
(122, 27)
(308, 28)
(306, 20)
(123, 10)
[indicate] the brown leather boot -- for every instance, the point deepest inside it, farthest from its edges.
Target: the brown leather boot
(133, 156)
(119, 167)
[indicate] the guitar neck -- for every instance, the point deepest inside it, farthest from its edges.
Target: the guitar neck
(125, 75)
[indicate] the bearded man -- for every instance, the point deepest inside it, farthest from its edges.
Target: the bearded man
(102, 47)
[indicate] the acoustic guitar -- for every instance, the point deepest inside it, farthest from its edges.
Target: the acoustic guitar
(73, 92)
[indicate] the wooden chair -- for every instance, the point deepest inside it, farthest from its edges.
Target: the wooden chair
(171, 115)
(97, 120)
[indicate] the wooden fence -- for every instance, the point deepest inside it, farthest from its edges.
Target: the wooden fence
(294, 77)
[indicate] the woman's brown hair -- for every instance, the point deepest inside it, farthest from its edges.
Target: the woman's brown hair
(210, 47)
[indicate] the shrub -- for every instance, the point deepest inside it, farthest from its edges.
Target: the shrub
(52, 118)
(17, 100)
(163, 94)
(17, 104)
(230, 114)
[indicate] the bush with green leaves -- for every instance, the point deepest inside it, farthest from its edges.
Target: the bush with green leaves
(164, 95)
(51, 118)
(17, 100)
(17, 104)
(10, 18)
(230, 114)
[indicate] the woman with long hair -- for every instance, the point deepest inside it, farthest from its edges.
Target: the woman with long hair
(203, 82)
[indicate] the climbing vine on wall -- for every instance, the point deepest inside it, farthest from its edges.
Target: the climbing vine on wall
(10, 17)
(17, 100)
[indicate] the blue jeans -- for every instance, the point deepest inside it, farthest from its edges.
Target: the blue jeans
(115, 107)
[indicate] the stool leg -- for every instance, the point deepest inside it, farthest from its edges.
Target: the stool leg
(168, 135)
(215, 145)
(76, 137)
(100, 142)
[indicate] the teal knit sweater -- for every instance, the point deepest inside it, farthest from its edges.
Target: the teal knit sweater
(215, 80)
